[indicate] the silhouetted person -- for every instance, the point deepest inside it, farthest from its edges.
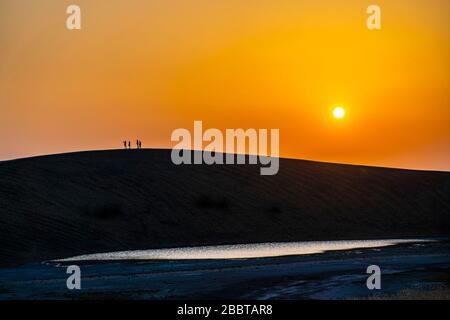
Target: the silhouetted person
(129, 144)
(140, 144)
(124, 144)
(137, 144)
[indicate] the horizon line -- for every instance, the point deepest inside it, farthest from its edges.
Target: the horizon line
(246, 154)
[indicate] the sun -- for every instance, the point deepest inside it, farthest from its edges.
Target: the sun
(339, 112)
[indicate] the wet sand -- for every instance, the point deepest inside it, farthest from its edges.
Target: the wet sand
(330, 275)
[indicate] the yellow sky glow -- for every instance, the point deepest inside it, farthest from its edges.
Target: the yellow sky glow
(140, 69)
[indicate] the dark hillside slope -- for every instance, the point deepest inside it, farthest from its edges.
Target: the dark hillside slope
(71, 204)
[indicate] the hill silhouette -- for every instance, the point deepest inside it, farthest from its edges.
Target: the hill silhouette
(77, 203)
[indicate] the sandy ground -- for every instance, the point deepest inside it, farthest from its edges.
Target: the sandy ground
(72, 204)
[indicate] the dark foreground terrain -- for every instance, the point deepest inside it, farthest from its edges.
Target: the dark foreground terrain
(72, 204)
(413, 271)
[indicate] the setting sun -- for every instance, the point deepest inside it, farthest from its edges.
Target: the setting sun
(249, 64)
(338, 113)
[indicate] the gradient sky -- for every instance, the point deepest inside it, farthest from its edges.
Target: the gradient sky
(141, 68)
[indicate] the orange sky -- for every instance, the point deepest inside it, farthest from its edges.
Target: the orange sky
(140, 69)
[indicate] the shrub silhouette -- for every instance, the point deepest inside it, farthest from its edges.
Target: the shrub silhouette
(104, 211)
(274, 209)
(208, 202)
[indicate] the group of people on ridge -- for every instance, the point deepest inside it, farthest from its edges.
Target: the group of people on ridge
(127, 144)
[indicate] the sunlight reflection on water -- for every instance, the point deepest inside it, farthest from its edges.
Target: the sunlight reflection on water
(241, 251)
